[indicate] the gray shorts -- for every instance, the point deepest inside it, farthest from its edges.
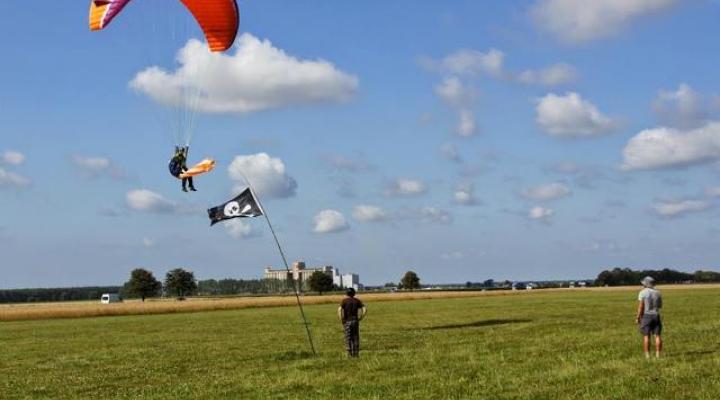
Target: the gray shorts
(650, 324)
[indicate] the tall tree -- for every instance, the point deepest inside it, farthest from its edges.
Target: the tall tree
(410, 281)
(320, 282)
(181, 283)
(143, 284)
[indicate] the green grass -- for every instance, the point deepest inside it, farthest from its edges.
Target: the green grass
(575, 345)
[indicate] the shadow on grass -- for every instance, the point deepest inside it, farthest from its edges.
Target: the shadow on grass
(698, 353)
(476, 324)
(292, 356)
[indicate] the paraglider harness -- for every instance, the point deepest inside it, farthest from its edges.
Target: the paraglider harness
(177, 163)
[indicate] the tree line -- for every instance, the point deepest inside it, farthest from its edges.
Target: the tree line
(627, 276)
(55, 294)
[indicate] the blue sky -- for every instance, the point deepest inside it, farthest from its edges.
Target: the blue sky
(463, 140)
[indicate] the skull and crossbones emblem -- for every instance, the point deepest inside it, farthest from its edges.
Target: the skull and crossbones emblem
(232, 209)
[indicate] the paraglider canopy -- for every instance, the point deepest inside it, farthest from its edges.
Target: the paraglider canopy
(218, 19)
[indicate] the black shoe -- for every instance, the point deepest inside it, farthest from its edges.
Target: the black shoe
(184, 189)
(193, 189)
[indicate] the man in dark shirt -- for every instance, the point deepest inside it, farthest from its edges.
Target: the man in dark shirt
(351, 312)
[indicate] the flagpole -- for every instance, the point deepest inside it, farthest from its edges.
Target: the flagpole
(287, 267)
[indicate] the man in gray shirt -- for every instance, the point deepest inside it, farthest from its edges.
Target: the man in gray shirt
(648, 315)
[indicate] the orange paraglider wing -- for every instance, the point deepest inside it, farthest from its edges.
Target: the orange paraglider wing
(219, 19)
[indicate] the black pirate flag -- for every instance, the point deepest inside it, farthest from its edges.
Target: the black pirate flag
(243, 206)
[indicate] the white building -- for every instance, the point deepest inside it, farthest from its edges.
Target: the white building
(346, 281)
(300, 272)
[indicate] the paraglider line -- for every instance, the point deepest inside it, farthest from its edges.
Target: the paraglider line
(287, 268)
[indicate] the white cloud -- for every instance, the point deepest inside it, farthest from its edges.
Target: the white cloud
(466, 124)
(540, 213)
(453, 255)
(668, 147)
(554, 75)
(604, 246)
(460, 97)
(266, 174)
(570, 116)
(567, 167)
(683, 108)
(576, 21)
(148, 201)
(675, 208)
(405, 187)
(12, 180)
(91, 164)
(258, 76)
(469, 62)
(11, 157)
(147, 242)
(455, 93)
(550, 191)
(465, 195)
(368, 213)
(713, 191)
(449, 151)
(329, 221)
(435, 215)
(342, 163)
(240, 229)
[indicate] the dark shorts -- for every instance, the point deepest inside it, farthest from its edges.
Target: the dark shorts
(650, 325)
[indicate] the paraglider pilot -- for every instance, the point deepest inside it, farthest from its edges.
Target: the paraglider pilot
(178, 165)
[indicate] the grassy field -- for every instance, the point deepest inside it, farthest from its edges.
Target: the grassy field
(578, 344)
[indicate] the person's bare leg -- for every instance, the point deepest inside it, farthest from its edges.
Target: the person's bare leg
(646, 345)
(658, 345)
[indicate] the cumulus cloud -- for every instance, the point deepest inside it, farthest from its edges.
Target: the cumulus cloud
(553, 75)
(683, 108)
(574, 21)
(672, 148)
(330, 221)
(92, 164)
(465, 195)
(266, 174)
(405, 187)
(570, 116)
(368, 213)
(455, 93)
(469, 62)
(258, 76)
(240, 229)
(713, 191)
(435, 215)
(676, 208)
(148, 201)
(540, 213)
(466, 123)
(10, 179)
(12, 157)
(346, 164)
(566, 167)
(96, 166)
(453, 255)
(550, 191)
(603, 246)
(449, 151)
(461, 97)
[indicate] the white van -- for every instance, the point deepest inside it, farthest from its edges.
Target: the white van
(108, 298)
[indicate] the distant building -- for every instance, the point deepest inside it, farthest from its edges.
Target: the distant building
(300, 272)
(346, 281)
